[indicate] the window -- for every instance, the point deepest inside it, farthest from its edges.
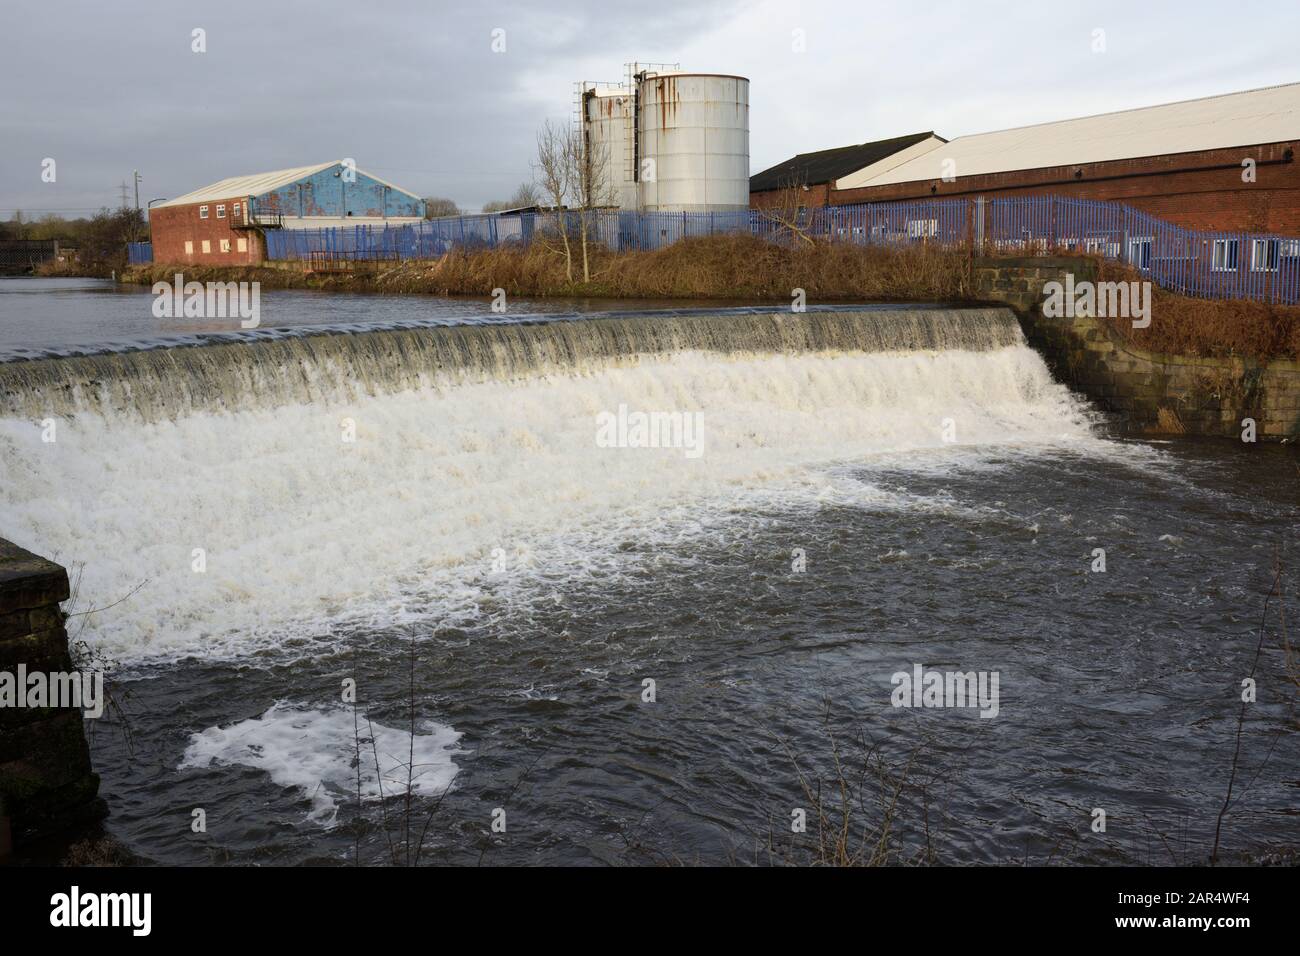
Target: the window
(1289, 248)
(922, 228)
(234, 211)
(203, 212)
(1139, 252)
(225, 245)
(189, 247)
(1263, 255)
(241, 245)
(207, 245)
(1101, 246)
(1225, 255)
(221, 210)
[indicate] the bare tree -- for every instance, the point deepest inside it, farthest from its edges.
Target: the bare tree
(524, 196)
(555, 167)
(438, 206)
(594, 188)
(786, 209)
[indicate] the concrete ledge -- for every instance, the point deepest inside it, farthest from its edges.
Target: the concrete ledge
(46, 781)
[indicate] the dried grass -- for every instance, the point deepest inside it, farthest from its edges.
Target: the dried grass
(745, 267)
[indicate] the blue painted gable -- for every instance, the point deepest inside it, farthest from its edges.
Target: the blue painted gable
(328, 193)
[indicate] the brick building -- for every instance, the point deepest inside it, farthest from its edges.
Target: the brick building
(815, 174)
(224, 223)
(1222, 162)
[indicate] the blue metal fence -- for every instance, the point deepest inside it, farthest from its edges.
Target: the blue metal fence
(1263, 267)
(138, 253)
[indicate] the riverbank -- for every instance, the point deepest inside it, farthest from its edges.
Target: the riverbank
(742, 267)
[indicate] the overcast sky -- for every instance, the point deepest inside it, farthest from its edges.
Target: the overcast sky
(414, 92)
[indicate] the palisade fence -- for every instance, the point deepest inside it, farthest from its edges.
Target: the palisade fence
(1222, 265)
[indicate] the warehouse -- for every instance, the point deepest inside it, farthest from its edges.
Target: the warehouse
(224, 223)
(1217, 163)
(815, 174)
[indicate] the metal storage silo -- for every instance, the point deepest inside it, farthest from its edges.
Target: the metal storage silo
(695, 128)
(607, 123)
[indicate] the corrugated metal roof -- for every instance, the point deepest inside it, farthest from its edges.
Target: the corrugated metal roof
(823, 166)
(1247, 118)
(327, 222)
(252, 185)
(259, 183)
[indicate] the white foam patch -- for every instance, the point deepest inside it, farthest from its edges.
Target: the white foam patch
(302, 532)
(315, 751)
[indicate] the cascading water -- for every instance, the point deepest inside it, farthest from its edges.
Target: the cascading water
(288, 366)
(319, 480)
(431, 511)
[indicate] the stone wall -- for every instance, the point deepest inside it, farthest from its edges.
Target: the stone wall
(46, 782)
(1149, 392)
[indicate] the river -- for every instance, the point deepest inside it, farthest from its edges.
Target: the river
(599, 655)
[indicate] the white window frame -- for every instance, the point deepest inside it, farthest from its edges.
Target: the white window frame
(1288, 248)
(234, 211)
(1219, 261)
(1140, 244)
(203, 212)
(922, 228)
(225, 245)
(221, 210)
(1260, 249)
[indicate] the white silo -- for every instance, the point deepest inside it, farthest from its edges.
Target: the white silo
(607, 114)
(692, 146)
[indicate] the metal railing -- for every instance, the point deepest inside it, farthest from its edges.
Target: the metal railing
(1223, 265)
(138, 253)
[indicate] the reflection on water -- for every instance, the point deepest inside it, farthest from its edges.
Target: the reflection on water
(37, 313)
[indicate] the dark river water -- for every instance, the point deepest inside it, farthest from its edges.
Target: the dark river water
(65, 314)
(491, 581)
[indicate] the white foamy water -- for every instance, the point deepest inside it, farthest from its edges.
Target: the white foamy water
(302, 531)
(316, 752)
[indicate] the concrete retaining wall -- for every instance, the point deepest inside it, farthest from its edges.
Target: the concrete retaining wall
(46, 782)
(1150, 393)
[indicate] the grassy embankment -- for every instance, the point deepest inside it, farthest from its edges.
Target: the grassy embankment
(742, 267)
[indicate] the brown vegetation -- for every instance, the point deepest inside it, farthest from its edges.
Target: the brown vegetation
(745, 267)
(1181, 325)
(723, 267)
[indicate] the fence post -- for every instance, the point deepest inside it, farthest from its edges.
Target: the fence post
(979, 223)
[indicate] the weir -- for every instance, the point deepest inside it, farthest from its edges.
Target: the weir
(251, 493)
(159, 381)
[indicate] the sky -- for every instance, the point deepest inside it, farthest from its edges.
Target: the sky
(416, 93)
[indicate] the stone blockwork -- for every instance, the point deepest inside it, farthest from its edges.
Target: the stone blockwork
(46, 782)
(1149, 392)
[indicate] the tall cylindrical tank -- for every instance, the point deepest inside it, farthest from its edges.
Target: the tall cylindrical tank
(607, 112)
(693, 128)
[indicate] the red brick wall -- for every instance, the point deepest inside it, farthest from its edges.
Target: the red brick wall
(1201, 190)
(819, 195)
(172, 226)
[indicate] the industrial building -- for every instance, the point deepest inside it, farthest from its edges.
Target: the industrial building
(815, 174)
(1221, 162)
(224, 223)
(668, 140)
